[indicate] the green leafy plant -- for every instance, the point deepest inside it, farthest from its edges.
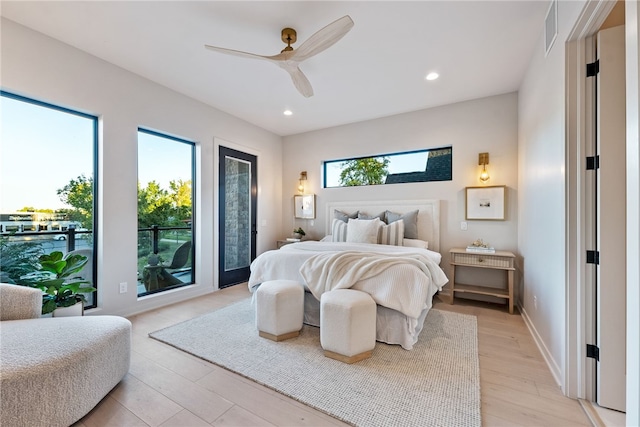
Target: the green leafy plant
(366, 171)
(300, 231)
(56, 279)
(17, 259)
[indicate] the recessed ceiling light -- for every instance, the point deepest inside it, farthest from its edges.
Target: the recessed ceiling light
(287, 112)
(432, 76)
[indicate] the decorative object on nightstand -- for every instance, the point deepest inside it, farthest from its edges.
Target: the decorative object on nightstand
(480, 246)
(497, 260)
(298, 233)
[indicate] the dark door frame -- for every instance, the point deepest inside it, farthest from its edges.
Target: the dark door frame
(233, 277)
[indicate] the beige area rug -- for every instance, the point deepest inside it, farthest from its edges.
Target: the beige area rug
(435, 384)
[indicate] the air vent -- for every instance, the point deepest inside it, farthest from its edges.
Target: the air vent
(550, 27)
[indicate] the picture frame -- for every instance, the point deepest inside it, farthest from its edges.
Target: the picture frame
(485, 203)
(304, 206)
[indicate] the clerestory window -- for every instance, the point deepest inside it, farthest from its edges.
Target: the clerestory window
(394, 168)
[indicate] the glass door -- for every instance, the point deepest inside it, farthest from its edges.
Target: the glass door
(238, 203)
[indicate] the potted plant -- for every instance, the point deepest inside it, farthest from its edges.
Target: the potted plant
(57, 281)
(299, 233)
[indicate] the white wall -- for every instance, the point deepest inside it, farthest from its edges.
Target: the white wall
(633, 212)
(37, 66)
(541, 201)
(471, 127)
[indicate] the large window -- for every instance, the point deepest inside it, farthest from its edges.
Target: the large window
(165, 212)
(47, 186)
(396, 168)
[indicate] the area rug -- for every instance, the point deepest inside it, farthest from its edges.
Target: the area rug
(435, 384)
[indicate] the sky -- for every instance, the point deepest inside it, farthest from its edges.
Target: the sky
(42, 149)
(162, 160)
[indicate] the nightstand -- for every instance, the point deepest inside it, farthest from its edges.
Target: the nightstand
(500, 260)
(281, 243)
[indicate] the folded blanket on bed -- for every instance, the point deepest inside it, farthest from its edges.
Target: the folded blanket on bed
(341, 270)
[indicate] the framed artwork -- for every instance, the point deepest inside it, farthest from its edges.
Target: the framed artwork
(304, 206)
(487, 203)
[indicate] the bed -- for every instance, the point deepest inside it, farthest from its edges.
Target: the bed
(401, 279)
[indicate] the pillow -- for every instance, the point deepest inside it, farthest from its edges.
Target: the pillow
(410, 222)
(363, 230)
(392, 234)
(327, 238)
(343, 216)
(415, 243)
(338, 230)
(380, 216)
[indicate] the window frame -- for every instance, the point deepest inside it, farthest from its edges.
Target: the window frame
(95, 134)
(192, 144)
(374, 156)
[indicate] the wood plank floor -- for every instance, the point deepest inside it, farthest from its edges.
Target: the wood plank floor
(166, 387)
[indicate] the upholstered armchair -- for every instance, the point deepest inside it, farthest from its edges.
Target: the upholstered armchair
(19, 302)
(53, 371)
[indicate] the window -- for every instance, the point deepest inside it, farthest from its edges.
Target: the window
(47, 186)
(165, 212)
(414, 166)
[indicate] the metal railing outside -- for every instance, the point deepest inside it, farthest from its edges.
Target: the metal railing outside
(160, 243)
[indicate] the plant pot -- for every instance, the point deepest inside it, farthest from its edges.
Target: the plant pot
(297, 236)
(74, 310)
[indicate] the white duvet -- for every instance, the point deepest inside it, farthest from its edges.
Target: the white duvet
(400, 278)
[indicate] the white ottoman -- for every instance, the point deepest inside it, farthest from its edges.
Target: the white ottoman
(279, 309)
(347, 325)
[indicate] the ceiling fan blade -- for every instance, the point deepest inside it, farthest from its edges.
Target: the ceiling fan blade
(300, 81)
(237, 52)
(323, 39)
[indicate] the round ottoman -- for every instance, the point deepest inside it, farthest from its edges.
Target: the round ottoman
(279, 309)
(347, 325)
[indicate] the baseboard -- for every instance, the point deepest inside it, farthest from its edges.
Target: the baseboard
(591, 413)
(551, 363)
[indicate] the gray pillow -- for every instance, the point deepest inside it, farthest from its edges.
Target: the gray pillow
(343, 216)
(410, 222)
(381, 216)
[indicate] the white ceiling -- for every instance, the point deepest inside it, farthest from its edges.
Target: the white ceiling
(480, 48)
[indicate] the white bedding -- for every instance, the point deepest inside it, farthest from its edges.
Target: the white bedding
(404, 287)
(401, 281)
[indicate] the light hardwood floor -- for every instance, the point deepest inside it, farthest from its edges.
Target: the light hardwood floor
(166, 387)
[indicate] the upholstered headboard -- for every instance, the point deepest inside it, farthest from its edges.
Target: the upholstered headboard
(428, 215)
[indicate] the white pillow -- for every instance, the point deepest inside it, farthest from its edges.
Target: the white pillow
(415, 243)
(327, 238)
(338, 230)
(392, 234)
(363, 230)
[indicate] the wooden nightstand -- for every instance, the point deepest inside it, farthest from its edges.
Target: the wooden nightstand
(500, 260)
(281, 243)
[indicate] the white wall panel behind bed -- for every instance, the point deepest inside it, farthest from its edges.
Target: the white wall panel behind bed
(428, 215)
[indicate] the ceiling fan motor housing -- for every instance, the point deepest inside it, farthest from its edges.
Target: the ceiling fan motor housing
(289, 36)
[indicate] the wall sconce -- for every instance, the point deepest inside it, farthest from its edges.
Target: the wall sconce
(302, 181)
(483, 160)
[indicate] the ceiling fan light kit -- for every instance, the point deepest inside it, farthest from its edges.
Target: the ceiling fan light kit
(289, 58)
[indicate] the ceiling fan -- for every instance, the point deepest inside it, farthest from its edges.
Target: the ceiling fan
(289, 58)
